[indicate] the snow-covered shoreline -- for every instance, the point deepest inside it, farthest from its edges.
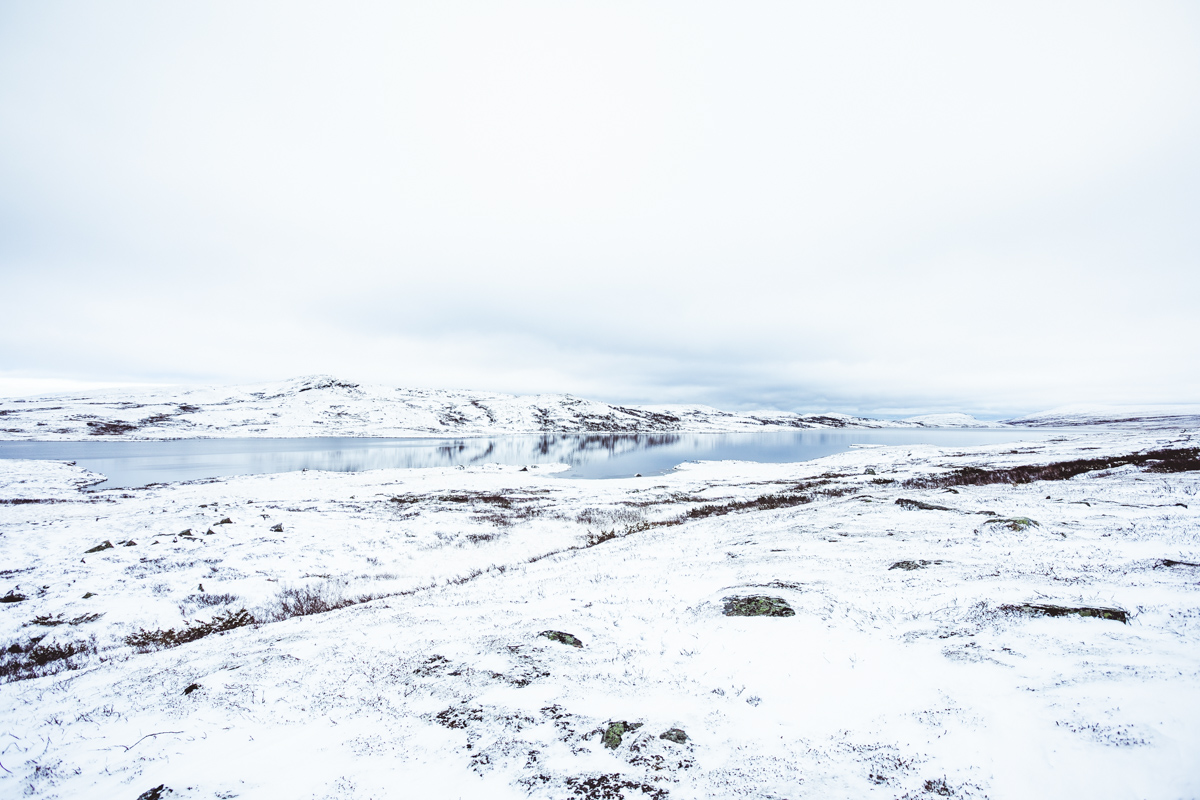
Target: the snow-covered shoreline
(907, 670)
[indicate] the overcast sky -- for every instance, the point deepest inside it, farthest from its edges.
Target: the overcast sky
(871, 207)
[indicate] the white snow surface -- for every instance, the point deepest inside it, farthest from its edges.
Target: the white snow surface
(325, 406)
(886, 682)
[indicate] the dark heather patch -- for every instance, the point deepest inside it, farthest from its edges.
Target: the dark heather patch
(611, 787)
(145, 641)
(109, 428)
(1177, 460)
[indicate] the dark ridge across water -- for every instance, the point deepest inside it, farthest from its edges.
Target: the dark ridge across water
(132, 464)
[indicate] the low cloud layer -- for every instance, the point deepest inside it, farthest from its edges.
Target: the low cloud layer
(872, 210)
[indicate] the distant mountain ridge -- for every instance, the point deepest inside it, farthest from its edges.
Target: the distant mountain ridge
(322, 405)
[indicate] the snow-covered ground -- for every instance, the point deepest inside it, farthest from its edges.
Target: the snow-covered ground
(326, 406)
(892, 680)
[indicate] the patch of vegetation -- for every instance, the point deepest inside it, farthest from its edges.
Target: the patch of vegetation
(918, 564)
(301, 601)
(207, 599)
(757, 606)
(105, 545)
(1043, 609)
(1014, 524)
(1174, 460)
(52, 620)
(766, 502)
(594, 538)
(145, 641)
(563, 637)
(20, 662)
(460, 716)
(478, 497)
(13, 596)
(611, 787)
(109, 428)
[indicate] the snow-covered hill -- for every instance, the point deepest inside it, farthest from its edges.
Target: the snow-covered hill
(326, 406)
(953, 421)
(1139, 416)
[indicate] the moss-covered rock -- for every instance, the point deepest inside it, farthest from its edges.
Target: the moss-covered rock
(615, 730)
(563, 637)
(1015, 524)
(1045, 609)
(105, 545)
(918, 564)
(757, 606)
(675, 735)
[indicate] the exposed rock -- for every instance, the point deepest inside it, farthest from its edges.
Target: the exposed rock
(1045, 609)
(676, 735)
(615, 730)
(904, 502)
(560, 636)
(1015, 524)
(757, 606)
(918, 564)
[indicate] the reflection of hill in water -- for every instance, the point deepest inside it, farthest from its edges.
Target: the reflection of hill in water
(548, 449)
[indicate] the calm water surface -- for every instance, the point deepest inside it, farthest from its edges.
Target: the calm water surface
(128, 464)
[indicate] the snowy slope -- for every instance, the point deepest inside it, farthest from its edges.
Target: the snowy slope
(887, 682)
(1139, 416)
(952, 421)
(325, 406)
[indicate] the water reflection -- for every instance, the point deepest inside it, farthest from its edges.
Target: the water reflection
(588, 455)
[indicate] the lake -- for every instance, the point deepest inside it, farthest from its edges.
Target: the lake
(130, 464)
